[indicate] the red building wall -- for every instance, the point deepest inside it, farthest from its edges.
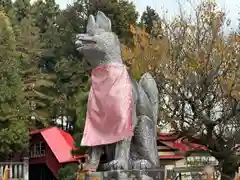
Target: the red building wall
(52, 162)
(37, 160)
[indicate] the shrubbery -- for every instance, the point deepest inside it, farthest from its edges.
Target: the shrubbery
(68, 172)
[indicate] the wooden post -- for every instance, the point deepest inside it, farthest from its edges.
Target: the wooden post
(10, 169)
(209, 177)
(209, 171)
(26, 168)
(5, 174)
(84, 173)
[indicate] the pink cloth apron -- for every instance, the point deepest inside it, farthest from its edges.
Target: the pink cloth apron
(109, 113)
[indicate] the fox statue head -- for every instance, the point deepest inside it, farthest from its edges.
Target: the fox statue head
(99, 45)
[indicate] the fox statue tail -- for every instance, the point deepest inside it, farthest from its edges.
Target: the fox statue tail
(149, 85)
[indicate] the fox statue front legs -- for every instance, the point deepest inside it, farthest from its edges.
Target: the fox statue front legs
(120, 161)
(143, 152)
(94, 154)
(121, 149)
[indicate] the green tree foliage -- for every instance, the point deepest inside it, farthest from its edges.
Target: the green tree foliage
(45, 13)
(22, 9)
(35, 82)
(149, 18)
(68, 172)
(14, 132)
(122, 14)
(31, 50)
(7, 7)
(69, 68)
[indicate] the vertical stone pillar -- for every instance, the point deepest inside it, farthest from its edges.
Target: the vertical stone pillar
(26, 168)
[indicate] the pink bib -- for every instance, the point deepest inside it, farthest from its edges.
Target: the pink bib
(110, 102)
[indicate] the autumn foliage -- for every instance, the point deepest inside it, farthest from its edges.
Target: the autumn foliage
(198, 71)
(144, 55)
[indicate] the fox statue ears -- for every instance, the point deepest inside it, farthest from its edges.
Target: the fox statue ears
(102, 22)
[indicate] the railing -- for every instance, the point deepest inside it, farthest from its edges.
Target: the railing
(189, 173)
(16, 170)
(185, 173)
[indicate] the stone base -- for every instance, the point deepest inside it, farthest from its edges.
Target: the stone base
(125, 175)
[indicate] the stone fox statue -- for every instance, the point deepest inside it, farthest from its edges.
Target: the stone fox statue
(122, 114)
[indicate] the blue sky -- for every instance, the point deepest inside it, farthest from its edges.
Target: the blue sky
(232, 7)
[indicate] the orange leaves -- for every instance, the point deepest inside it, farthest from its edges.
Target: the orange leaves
(138, 31)
(132, 29)
(229, 87)
(194, 64)
(236, 92)
(140, 36)
(235, 38)
(146, 53)
(226, 85)
(136, 56)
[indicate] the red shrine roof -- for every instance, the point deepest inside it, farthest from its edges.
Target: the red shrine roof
(174, 142)
(167, 136)
(60, 142)
(172, 157)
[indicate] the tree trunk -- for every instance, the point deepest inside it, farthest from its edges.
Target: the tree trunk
(228, 168)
